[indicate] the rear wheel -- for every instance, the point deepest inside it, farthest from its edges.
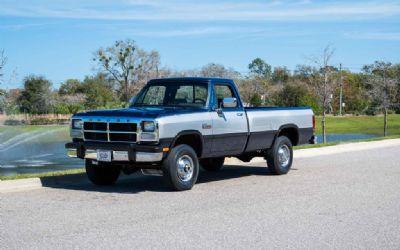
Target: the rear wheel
(181, 168)
(280, 156)
(102, 174)
(212, 164)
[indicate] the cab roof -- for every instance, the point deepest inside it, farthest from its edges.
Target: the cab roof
(191, 79)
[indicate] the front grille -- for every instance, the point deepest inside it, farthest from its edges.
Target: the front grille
(122, 137)
(110, 131)
(95, 126)
(127, 127)
(95, 136)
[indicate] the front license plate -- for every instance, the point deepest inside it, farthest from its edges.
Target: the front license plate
(103, 155)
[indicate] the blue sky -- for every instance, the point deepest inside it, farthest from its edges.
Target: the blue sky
(57, 39)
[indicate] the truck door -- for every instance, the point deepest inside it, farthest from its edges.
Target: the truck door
(229, 124)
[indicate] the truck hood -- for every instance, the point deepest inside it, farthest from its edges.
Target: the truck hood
(142, 112)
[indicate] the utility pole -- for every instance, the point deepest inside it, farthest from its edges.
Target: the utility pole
(341, 91)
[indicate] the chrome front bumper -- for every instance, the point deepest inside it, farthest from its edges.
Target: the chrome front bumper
(120, 152)
(119, 155)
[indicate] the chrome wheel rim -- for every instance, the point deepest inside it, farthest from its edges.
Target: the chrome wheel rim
(283, 155)
(185, 168)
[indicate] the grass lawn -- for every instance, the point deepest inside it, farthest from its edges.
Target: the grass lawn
(39, 175)
(55, 132)
(359, 125)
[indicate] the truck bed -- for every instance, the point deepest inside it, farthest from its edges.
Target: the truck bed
(265, 123)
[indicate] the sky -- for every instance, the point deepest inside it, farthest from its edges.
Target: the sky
(57, 38)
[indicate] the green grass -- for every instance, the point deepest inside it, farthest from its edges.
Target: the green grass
(30, 128)
(61, 132)
(40, 175)
(359, 125)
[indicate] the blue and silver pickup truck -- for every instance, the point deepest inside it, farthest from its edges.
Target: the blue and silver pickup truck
(174, 126)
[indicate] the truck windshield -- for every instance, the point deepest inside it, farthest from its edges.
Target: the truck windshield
(173, 94)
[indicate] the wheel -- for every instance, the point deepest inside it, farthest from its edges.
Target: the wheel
(181, 168)
(212, 164)
(102, 174)
(280, 156)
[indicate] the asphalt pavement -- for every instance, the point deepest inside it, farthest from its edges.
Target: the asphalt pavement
(344, 200)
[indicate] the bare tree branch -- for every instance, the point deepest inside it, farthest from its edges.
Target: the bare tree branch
(3, 61)
(127, 65)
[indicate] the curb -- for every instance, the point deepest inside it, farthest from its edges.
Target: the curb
(19, 185)
(8, 186)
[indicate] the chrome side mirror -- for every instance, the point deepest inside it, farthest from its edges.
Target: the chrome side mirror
(229, 102)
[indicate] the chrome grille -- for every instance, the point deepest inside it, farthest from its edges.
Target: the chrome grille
(110, 131)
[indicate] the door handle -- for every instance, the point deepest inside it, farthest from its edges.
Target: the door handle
(239, 114)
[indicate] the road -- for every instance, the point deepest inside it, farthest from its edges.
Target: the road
(337, 201)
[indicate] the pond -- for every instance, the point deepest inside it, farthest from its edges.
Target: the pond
(344, 137)
(35, 150)
(41, 149)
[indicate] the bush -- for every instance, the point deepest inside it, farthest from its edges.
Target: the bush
(12, 122)
(48, 121)
(255, 100)
(63, 108)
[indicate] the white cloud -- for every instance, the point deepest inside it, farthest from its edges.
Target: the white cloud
(179, 10)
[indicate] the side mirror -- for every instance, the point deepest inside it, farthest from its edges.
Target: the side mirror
(229, 102)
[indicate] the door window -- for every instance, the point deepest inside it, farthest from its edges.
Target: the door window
(221, 92)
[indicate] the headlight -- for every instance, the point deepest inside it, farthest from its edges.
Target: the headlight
(148, 126)
(77, 124)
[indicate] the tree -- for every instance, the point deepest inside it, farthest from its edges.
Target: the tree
(280, 75)
(36, 97)
(295, 94)
(383, 87)
(98, 92)
(260, 68)
(218, 70)
(127, 65)
(324, 84)
(71, 87)
(3, 61)
(255, 100)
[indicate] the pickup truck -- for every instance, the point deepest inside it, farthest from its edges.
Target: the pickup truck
(174, 126)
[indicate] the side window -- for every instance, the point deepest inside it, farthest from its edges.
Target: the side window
(221, 92)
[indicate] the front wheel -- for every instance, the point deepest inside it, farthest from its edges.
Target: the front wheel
(181, 168)
(280, 156)
(102, 174)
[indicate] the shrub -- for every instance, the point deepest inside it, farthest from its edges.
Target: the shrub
(255, 100)
(12, 122)
(48, 121)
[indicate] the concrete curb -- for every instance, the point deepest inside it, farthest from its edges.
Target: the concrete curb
(47, 181)
(34, 183)
(19, 185)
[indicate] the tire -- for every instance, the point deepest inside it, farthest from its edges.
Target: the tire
(280, 156)
(102, 174)
(181, 168)
(212, 164)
